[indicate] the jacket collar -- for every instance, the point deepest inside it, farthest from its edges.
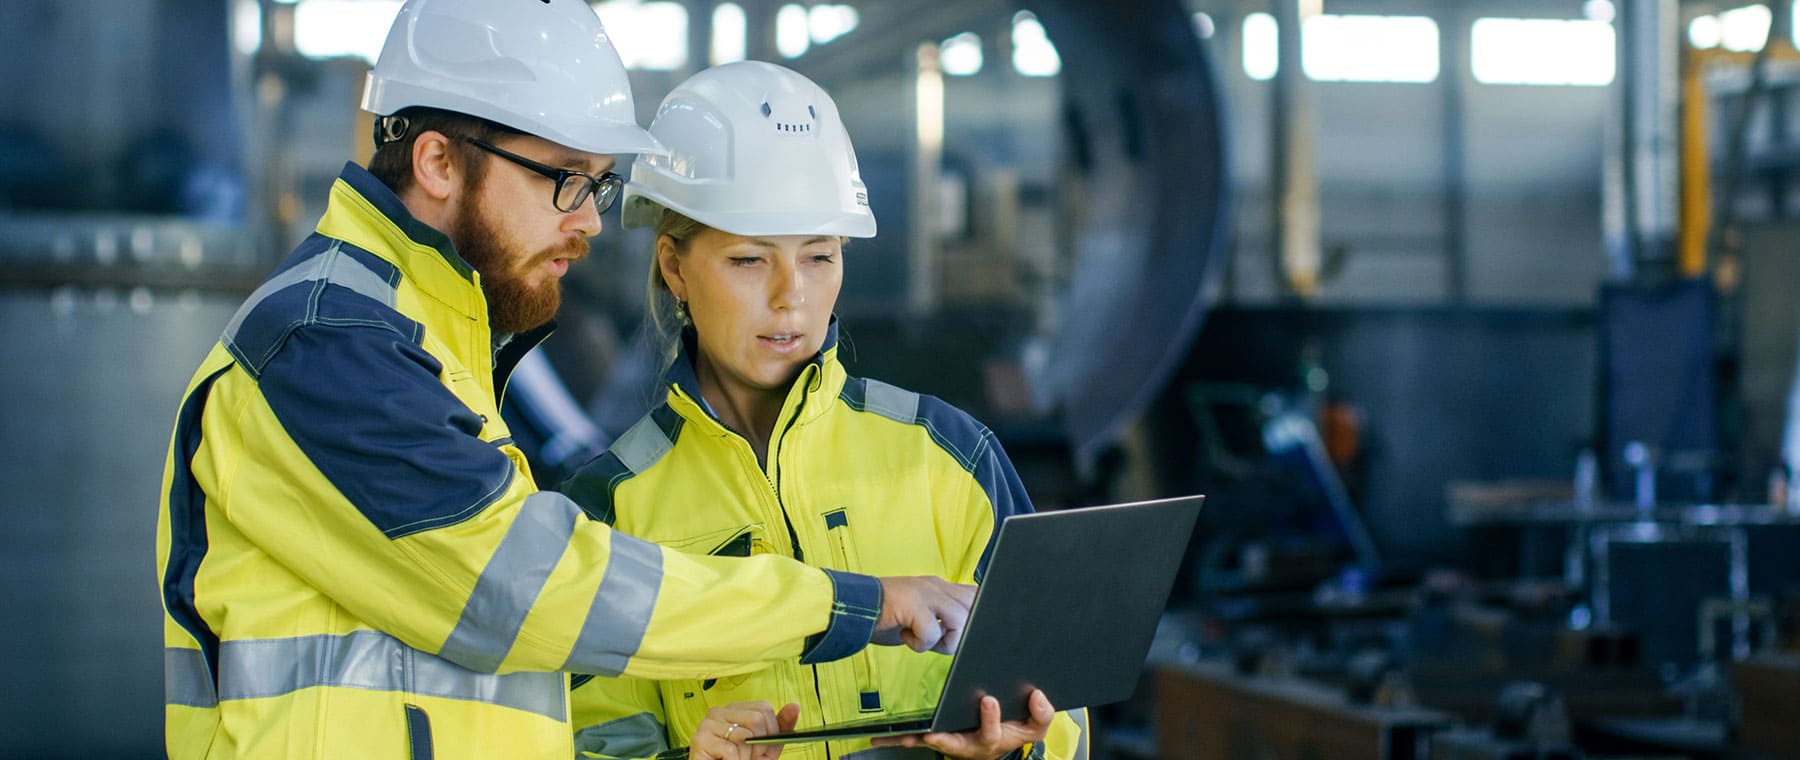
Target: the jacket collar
(822, 376)
(364, 212)
(390, 207)
(508, 355)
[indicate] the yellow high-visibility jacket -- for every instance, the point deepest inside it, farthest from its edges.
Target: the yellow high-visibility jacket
(861, 477)
(355, 562)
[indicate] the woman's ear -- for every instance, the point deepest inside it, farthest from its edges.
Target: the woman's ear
(668, 259)
(434, 165)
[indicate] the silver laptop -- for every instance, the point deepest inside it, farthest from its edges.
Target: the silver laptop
(1069, 605)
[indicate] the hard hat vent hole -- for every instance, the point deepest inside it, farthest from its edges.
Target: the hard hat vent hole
(799, 126)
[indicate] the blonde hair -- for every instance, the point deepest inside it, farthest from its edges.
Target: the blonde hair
(659, 302)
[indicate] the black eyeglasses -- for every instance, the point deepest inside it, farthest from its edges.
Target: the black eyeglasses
(572, 187)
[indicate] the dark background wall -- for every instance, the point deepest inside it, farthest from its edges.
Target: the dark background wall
(1443, 394)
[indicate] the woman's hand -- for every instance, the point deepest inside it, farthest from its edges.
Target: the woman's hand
(721, 734)
(993, 739)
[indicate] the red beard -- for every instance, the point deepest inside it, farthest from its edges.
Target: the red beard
(515, 302)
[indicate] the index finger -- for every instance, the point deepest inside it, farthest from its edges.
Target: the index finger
(926, 634)
(950, 641)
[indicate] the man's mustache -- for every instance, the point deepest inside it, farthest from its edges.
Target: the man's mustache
(573, 250)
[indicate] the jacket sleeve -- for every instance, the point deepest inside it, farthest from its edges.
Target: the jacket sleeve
(368, 478)
(995, 493)
(617, 718)
(1067, 739)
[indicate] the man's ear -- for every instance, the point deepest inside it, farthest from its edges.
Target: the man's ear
(669, 260)
(434, 165)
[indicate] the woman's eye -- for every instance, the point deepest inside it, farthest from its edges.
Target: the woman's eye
(743, 261)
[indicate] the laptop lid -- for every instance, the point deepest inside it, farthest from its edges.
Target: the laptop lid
(1069, 605)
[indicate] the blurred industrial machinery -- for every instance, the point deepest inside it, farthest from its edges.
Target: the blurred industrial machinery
(1438, 527)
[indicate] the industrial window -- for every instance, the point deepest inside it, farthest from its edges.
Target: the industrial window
(650, 36)
(798, 28)
(338, 28)
(1742, 29)
(960, 56)
(1032, 54)
(729, 38)
(1542, 51)
(246, 26)
(1348, 48)
(1261, 54)
(828, 22)
(791, 35)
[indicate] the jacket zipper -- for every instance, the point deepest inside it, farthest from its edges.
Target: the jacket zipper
(774, 484)
(793, 535)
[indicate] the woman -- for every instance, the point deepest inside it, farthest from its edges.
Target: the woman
(766, 445)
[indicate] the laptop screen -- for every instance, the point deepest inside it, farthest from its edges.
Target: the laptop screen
(1069, 605)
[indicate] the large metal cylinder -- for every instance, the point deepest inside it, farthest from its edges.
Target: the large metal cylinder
(1138, 82)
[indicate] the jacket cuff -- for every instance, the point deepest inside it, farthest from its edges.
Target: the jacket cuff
(855, 606)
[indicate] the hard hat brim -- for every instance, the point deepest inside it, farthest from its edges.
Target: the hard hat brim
(641, 209)
(385, 97)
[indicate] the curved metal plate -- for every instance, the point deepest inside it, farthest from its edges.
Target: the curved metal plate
(1144, 115)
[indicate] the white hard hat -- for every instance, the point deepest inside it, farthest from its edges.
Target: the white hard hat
(543, 67)
(754, 149)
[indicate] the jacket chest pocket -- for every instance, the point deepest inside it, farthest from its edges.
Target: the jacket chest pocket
(480, 401)
(843, 548)
(741, 541)
(843, 545)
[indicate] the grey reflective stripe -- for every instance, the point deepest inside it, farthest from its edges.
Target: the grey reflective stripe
(263, 668)
(639, 735)
(186, 681)
(1081, 742)
(510, 583)
(642, 445)
(621, 611)
(893, 403)
(330, 266)
(347, 272)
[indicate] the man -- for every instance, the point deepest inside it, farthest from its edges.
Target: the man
(354, 559)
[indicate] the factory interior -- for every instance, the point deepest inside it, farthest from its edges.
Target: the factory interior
(1467, 317)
